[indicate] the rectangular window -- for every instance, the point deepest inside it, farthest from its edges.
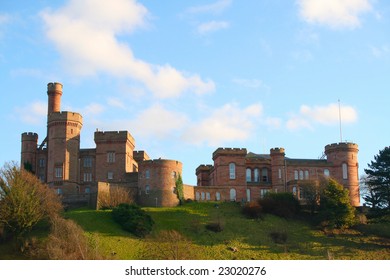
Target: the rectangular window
(41, 162)
(87, 190)
(296, 175)
(110, 175)
(111, 157)
(232, 171)
(87, 177)
(58, 172)
(345, 171)
(280, 174)
(88, 162)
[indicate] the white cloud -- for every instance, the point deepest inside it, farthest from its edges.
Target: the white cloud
(158, 122)
(324, 115)
(334, 13)
(34, 113)
(115, 102)
(86, 32)
(273, 122)
(212, 26)
(381, 51)
(213, 8)
(93, 109)
(225, 124)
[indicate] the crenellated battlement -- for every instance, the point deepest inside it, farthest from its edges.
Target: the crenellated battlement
(54, 87)
(277, 151)
(113, 136)
(140, 156)
(65, 116)
(341, 146)
(29, 136)
(230, 152)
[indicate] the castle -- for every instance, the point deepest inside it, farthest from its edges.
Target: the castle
(79, 175)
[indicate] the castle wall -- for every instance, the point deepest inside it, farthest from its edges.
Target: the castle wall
(114, 155)
(222, 160)
(157, 182)
(29, 151)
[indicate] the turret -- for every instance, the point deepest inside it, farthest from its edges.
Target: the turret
(278, 168)
(29, 151)
(344, 160)
(54, 92)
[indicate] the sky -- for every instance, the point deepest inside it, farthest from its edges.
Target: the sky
(187, 77)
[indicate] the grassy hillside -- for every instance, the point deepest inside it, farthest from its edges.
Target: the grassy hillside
(180, 233)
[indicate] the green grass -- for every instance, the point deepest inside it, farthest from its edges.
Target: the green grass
(251, 238)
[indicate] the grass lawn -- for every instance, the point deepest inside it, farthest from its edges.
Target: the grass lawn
(241, 238)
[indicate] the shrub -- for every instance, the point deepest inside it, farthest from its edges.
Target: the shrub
(253, 210)
(24, 201)
(284, 205)
(114, 197)
(68, 242)
(335, 207)
(133, 219)
(215, 227)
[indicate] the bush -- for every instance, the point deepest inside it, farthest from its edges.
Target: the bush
(133, 219)
(68, 242)
(24, 201)
(115, 196)
(253, 210)
(284, 205)
(335, 207)
(215, 227)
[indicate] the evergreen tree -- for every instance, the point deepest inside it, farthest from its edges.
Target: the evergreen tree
(179, 189)
(335, 207)
(378, 179)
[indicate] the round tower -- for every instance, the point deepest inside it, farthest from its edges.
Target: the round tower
(278, 168)
(54, 92)
(29, 151)
(157, 182)
(345, 166)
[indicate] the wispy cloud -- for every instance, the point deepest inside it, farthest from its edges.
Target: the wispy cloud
(309, 116)
(213, 8)
(85, 32)
(250, 83)
(334, 13)
(380, 51)
(212, 26)
(223, 125)
(34, 113)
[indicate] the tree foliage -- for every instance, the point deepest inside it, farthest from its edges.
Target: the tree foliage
(378, 180)
(179, 189)
(24, 200)
(335, 207)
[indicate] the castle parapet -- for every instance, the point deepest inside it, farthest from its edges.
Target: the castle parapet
(113, 136)
(277, 151)
(342, 146)
(229, 152)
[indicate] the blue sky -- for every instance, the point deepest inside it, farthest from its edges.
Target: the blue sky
(186, 77)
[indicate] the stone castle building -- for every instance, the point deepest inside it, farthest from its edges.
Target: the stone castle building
(239, 175)
(79, 175)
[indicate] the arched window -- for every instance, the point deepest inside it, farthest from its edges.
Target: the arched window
(197, 196)
(207, 196)
(257, 175)
(232, 171)
(300, 175)
(326, 173)
(280, 174)
(248, 195)
(345, 171)
(294, 191)
(264, 174)
(306, 174)
(263, 192)
(296, 175)
(217, 196)
(147, 189)
(202, 196)
(248, 175)
(233, 195)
